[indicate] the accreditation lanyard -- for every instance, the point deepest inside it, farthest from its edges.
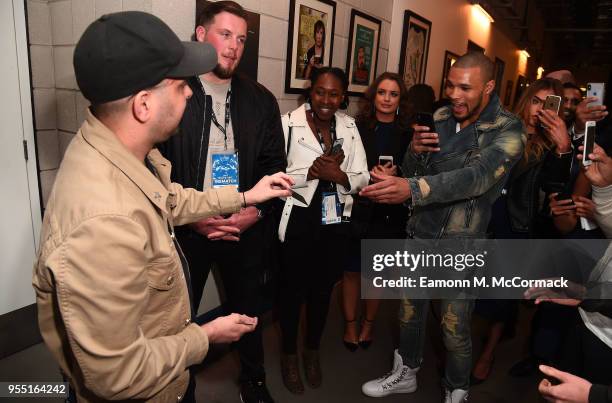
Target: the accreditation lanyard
(223, 129)
(332, 132)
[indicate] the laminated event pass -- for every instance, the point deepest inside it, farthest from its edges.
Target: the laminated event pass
(224, 169)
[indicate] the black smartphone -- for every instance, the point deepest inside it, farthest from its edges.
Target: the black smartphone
(589, 142)
(425, 119)
(564, 196)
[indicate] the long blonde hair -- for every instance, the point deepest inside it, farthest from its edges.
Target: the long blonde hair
(537, 142)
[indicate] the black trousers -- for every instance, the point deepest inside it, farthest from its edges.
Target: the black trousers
(311, 263)
(242, 282)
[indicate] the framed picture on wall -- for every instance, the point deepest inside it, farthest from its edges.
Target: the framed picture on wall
(310, 41)
(449, 59)
(473, 47)
(508, 96)
(362, 52)
(500, 66)
(415, 48)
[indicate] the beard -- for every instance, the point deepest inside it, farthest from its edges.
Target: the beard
(222, 72)
(471, 111)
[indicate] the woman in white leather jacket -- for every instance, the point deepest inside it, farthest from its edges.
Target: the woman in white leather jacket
(326, 158)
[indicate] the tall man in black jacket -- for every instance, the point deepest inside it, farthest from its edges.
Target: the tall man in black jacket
(204, 155)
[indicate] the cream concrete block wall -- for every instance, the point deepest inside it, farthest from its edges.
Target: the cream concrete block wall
(106, 7)
(41, 62)
(83, 13)
(138, 5)
(47, 143)
(66, 110)
(64, 72)
(45, 116)
(61, 22)
(178, 14)
(39, 22)
(54, 28)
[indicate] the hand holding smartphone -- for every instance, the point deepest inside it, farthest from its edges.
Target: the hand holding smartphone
(589, 142)
(596, 90)
(426, 119)
(564, 196)
(384, 159)
(425, 141)
(552, 103)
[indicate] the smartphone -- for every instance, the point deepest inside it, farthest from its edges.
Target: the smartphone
(337, 147)
(552, 103)
(317, 59)
(564, 196)
(589, 142)
(425, 119)
(596, 90)
(383, 159)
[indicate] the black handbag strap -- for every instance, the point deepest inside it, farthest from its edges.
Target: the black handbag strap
(289, 135)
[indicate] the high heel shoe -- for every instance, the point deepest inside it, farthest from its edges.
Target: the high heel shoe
(365, 344)
(350, 345)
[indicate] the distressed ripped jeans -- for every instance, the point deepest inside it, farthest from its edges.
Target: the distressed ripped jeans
(456, 321)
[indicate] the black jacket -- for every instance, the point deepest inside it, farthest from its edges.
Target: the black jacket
(258, 138)
(549, 173)
(600, 394)
(391, 216)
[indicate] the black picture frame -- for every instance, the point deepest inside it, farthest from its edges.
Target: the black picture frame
(449, 59)
(500, 66)
(302, 13)
(474, 47)
(358, 83)
(508, 96)
(414, 52)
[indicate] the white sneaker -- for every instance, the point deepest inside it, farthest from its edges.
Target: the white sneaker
(401, 379)
(456, 396)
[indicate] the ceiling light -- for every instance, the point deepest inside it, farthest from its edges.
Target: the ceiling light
(483, 12)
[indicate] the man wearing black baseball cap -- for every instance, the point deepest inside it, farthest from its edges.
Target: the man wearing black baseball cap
(111, 286)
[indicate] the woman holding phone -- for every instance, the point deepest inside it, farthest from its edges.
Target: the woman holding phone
(383, 123)
(521, 212)
(326, 158)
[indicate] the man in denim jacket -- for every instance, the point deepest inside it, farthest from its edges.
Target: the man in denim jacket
(454, 174)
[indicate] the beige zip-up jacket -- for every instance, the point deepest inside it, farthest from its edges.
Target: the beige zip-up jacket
(113, 304)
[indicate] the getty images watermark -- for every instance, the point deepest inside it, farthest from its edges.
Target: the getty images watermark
(497, 269)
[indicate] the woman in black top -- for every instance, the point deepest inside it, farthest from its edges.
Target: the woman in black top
(383, 123)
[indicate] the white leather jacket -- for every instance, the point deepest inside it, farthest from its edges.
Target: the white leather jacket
(305, 148)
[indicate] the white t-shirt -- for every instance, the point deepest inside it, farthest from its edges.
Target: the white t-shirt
(216, 139)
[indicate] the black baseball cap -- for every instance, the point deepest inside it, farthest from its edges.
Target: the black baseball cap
(122, 53)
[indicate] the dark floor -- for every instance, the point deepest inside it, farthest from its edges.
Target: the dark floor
(343, 371)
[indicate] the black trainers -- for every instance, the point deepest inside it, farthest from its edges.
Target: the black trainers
(254, 392)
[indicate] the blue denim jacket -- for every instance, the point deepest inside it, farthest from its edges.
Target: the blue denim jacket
(453, 189)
